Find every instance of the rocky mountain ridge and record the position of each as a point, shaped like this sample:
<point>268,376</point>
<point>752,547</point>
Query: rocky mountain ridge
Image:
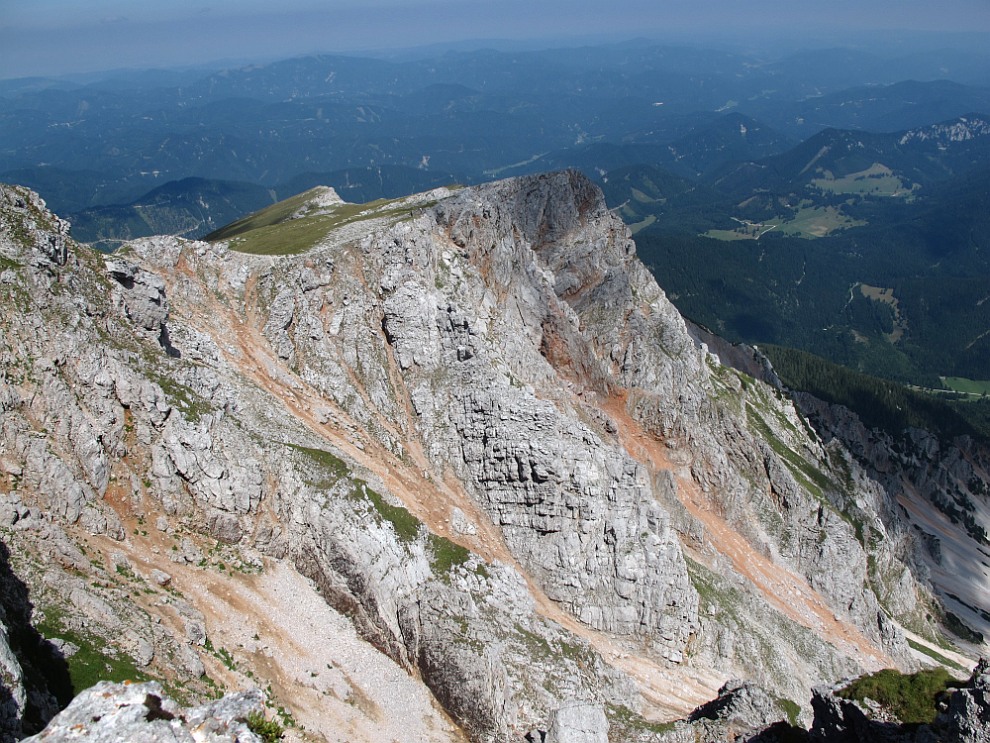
<point>473,421</point>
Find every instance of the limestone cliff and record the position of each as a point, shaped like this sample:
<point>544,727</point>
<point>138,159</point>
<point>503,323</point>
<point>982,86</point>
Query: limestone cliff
<point>473,421</point>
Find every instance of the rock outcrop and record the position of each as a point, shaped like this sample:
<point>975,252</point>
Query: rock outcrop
<point>33,675</point>
<point>473,421</point>
<point>934,495</point>
<point>578,723</point>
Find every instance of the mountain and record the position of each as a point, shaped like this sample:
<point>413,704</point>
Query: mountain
<point>730,138</point>
<point>368,184</point>
<point>447,466</point>
<point>891,286</point>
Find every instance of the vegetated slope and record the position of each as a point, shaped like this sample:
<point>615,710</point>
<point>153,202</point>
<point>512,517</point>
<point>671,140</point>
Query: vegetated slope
<point>930,458</point>
<point>730,138</point>
<point>861,267</point>
<point>916,157</point>
<point>473,420</point>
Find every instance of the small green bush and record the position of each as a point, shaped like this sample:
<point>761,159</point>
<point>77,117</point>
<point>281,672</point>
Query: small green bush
<point>268,730</point>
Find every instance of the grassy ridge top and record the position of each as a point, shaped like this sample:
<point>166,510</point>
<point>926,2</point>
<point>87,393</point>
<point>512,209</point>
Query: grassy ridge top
<point>301,222</point>
<point>271,215</point>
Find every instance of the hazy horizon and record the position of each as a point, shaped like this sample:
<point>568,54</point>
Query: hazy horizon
<point>64,37</point>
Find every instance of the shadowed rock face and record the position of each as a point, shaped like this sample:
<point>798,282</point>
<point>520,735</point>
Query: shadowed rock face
<point>34,680</point>
<point>473,420</point>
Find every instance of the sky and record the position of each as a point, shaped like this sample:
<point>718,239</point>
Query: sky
<point>61,37</point>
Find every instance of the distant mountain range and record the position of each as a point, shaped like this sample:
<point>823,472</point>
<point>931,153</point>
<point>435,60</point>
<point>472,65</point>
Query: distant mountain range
<point>472,116</point>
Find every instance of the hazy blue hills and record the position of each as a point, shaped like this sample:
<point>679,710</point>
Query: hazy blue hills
<point>877,108</point>
<point>832,200</point>
<point>729,138</point>
<point>849,162</point>
<point>474,114</point>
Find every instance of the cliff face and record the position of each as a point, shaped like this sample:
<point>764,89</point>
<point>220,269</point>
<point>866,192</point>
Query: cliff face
<point>477,426</point>
<point>938,490</point>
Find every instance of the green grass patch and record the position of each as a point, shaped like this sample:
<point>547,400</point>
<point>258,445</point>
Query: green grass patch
<point>967,386</point>
<point>190,404</point>
<point>7,263</point>
<point>221,654</point>
<point>713,591</point>
<point>623,718</point>
<point>91,663</point>
<point>330,463</point>
<point>537,644</point>
<point>267,217</point>
<point>643,198</point>
<point>877,180</point>
<point>809,476</point>
<point>268,730</point>
<point>405,524</point>
<point>730,235</point>
<point>807,222</point>
<point>287,228</point>
<point>818,221</point>
<point>911,698</point>
<point>636,227</point>
<point>791,708</point>
<point>446,554</point>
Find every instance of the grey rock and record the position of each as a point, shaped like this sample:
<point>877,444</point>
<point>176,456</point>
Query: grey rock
<point>742,706</point>
<point>461,524</point>
<point>143,296</point>
<point>27,661</point>
<point>44,238</point>
<point>160,577</point>
<point>966,717</point>
<point>66,648</point>
<point>578,722</point>
<point>281,314</point>
<point>15,700</point>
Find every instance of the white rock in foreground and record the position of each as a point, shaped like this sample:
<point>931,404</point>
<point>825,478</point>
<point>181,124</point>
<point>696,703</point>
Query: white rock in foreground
<point>110,713</point>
